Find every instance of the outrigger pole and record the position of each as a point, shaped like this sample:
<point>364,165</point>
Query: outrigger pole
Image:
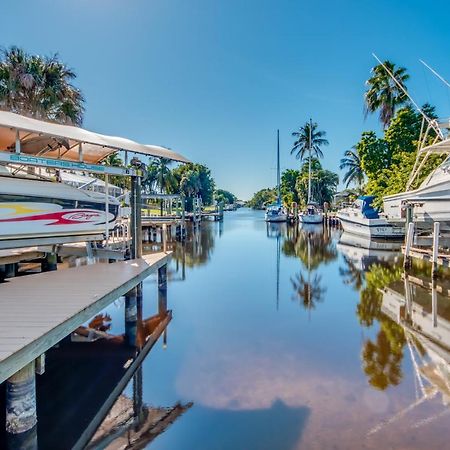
<point>278,167</point>
<point>435,73</point>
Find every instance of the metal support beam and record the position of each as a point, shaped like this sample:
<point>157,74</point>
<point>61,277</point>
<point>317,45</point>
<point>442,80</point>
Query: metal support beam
<point>17,147</point>
<point>136,219</point>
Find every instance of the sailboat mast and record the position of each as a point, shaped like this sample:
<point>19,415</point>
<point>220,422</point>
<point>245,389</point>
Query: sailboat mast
<point>278,166</point>
<point>309,162</point>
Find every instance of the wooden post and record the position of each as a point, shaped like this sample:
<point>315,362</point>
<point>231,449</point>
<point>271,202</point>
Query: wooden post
<point>21,416</point>
<point>49,263</point>
<point>131,316</point>
<point>409,241</point>
<point>434,307</point>
<point>164,237</point>
<point>162,290</point>
<point>434,269</point>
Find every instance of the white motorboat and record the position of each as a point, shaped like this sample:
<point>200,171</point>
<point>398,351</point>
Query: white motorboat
<point>362,219</point>
<point>276,212</point>
<point>312,214</point>
<point>31,208</point>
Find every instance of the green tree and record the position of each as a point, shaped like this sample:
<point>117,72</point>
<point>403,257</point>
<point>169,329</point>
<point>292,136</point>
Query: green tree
<point>352,163</point>
<point>373,153</point>
<point>263,198</point>
<point>289,192</point>
<point>383,93</point>
<point>225,197</point>
<point>193,180</point>
<point>40,87</point>
<point>323,183</point>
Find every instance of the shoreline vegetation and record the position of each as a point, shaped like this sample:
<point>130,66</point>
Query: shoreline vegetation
<point>41,87</point>
<point>379,164</point>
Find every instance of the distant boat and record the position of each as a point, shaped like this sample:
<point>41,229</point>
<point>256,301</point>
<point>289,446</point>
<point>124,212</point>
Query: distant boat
<point>363,219</point>
<point>276,212</point>
<point>31,208</point>
<point>312,214</point>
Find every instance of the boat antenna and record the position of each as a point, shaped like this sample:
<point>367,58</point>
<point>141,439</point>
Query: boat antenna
<point>278,167</point>
<point>432,123</point>
<point>435,73</point>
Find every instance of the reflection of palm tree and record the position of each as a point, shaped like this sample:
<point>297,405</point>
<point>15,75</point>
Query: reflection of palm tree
<point>320,245</point>
<point>308,292</point>
<point>352,276</point>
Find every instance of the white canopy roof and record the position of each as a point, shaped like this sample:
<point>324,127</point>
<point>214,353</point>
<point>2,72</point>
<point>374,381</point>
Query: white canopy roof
<point>438,147</point>
<point>62,141</point>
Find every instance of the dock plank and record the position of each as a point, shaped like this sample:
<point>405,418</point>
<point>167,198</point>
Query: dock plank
<point>39,310</point>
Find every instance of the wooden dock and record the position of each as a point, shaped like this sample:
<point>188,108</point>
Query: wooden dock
<point>37,311</point>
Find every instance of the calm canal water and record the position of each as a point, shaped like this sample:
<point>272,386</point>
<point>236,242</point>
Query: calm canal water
<point>282,338</point>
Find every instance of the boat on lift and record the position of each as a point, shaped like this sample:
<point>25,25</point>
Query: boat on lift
<point>362,219</point>
<point>312,213</point>
<point>276,212</point>
<point>33,208</point>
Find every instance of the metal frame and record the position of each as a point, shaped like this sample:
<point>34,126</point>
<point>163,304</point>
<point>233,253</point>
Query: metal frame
<point>39,161</point>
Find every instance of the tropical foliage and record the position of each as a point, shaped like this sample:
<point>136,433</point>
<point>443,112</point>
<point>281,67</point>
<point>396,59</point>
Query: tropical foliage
<point>383,93</point>
<point>40,87</point>
<point>308,137</point>
<point>225,197</point>
<point>263,198</point>
<point>355,173</point>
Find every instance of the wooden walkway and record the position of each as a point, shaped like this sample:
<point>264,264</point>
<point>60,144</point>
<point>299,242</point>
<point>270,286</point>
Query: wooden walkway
<point>37,311</point>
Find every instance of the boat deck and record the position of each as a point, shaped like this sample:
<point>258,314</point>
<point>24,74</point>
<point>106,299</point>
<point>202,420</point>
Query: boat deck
<point>37,311</point>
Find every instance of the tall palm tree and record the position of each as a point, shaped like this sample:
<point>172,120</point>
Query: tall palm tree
<point>308,137</point>
<point>39,87</point>
<point>352,162</point>
<point>383,93</point>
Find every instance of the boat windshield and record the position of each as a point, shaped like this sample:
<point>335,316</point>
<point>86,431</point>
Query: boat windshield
<point>367,210</point>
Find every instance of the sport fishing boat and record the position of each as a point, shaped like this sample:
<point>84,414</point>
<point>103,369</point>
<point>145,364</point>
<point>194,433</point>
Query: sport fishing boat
<point>430,202</point>
<point>363,219</point>
<point>32,208</point>
<point>312,214</point>
<point>276,212</point>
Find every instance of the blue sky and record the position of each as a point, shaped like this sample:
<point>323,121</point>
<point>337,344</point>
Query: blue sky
<point>214,79</point>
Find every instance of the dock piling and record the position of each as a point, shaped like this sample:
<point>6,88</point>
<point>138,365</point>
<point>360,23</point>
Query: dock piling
<point>409,242</point>
<point>434,269</point>
<point>21,415</point>
<point>162,290</point>
<point>131,316</point>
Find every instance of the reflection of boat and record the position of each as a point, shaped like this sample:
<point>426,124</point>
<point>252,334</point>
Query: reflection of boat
<point>32,208</point>
<point>364,252</point>
<point>362,219</point>
<point>312,213</point>
<point>425,318</point>
<point>276,212</point>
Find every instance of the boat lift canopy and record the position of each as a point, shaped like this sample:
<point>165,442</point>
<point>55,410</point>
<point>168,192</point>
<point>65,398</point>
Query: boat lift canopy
<point>24,140</point>
<point>440,147</point>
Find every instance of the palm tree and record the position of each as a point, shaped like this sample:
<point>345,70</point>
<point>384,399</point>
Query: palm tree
<point>352,162</point>
<point>308,137</point>
<point>383,93</point>
<point>160,178</point>
<point>39,87</point>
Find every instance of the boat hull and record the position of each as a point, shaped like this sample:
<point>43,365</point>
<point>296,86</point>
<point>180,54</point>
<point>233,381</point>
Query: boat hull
<point>35,209</point>
<point>370,228</point>
<point>275,218</point>
<point>310,218</point>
